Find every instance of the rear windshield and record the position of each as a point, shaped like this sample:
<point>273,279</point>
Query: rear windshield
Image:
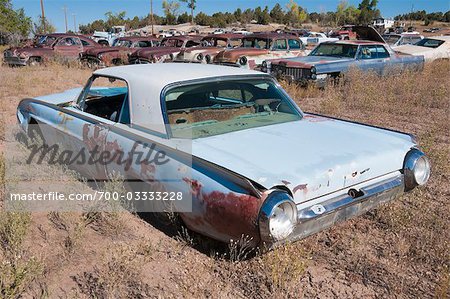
<point>430,43</point>
<point>214,108</point>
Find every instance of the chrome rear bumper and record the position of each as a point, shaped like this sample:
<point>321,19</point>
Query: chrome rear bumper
<point>321,216</point>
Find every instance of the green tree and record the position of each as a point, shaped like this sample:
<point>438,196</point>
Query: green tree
<point>191,5</point>
<point>296,15</point>
<point>170,11</point>
<point>277,14</point>
<point>368,11</point>
<point>43,26</point>
<point>13,21</point>
<point>202,19</point>
<point>115,19</point>
<point>184,18</point>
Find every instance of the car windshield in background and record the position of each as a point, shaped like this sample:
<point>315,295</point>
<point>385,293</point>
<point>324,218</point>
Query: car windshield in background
<point>429,43</point>
<point>335,50</point>
<point>391,39</point>
<point>46,40</point>
<point>259,43</point>
<point>122,43</point>
<point>214,108</point>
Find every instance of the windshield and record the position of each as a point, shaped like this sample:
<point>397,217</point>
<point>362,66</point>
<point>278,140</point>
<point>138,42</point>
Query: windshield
<point>391,39</point>
<point>214,108</point>
<point>46,40</point>
<point>122,43</point>
<point>335,50</point>
<point>259,43</point>
<point>429,43</point>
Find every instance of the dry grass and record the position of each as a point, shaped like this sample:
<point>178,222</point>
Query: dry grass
<point>399,250</point>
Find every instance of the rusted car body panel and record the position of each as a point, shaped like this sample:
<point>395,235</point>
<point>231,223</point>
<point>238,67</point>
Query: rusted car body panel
<point>252,55</point>
<point>118,53</point>
<point>170,48</point>
<point>237,185</point>
<point>214,44</point>
<point>53,46</point>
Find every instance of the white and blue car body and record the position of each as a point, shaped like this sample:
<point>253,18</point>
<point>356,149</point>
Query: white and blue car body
<point>257,165</point>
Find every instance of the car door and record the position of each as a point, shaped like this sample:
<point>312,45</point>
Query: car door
<point>150,164</point>
<point>369,60</point>
<point>68,47</point>
<point>296,48</point>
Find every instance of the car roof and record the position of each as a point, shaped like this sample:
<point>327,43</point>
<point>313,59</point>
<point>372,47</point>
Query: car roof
<point>137,38</point>
<point>445,38</point>
<point>354,42</point>
<point>270,35</point>
<point>171,72</point>
<point>224,35</point>
<point>147,81</point>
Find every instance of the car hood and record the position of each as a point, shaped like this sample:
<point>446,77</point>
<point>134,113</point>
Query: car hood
<point>312,157</point>
<point>309,61</point>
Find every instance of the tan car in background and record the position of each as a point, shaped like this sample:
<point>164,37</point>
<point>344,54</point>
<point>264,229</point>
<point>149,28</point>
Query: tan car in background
<point>256,48</point>
<point>211,45</point>
<point>432,48</point>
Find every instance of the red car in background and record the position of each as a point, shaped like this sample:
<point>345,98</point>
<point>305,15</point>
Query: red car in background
<point>118,53</point>
<point>56,47</point>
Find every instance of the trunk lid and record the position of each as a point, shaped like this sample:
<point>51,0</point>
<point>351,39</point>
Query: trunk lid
<point>312,157</point>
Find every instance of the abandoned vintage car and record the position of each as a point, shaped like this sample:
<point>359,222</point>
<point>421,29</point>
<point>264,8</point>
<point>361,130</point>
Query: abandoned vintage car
<point>330,60</point>
<point>211,45</point>
<point>56,46</point>
<point>170,47</point>
<point>118,53</point>
<point>432,48</point>
<point>259,166</point>
<point>256,48</point>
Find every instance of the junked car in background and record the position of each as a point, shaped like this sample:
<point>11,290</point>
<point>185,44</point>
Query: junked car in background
<point>211,45</point>
<point>250,171</point>
<point>56,46</point>
<point>314,38</point>
<point>432,48</point>
<point>107,38</point>
<point>330,60</point>
<point>395,40</point>
<point>169,48</point>
<point>256,48</point>
<point>118,53</point>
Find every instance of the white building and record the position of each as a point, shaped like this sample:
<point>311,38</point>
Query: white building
<point>384,23</point>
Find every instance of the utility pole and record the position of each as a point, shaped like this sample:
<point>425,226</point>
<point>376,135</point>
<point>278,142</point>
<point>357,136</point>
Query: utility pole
<point>65,17</point>
<point>43,14</point>
<point>151,15</point>
<point>74,23</point>
<point>410,16</point>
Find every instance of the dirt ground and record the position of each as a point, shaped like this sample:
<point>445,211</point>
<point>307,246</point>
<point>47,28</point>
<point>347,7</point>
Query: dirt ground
<point>400,250</point>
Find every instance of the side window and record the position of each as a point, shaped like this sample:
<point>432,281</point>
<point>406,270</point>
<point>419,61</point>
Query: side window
<point>368,52</point>
<point>107,98</point>
<point>294,44</point>
<point>382,52</point>
<point>69,41</point>
<point>280,44</point>
<point>84,43</point>
<point>144,44</point>
<point>191,43</point>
